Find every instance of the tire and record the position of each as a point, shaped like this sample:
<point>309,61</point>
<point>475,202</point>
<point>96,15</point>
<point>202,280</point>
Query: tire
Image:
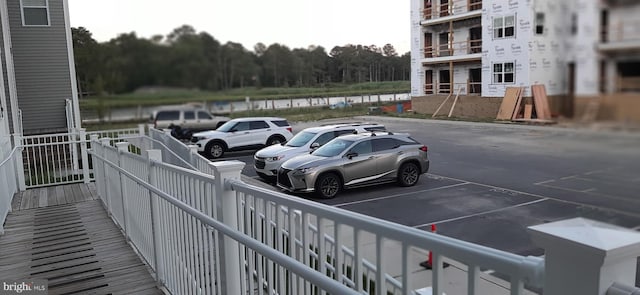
<point>408,174</point>
<point>275,139</point>
<point>328,185</point>
<point>214,149</point>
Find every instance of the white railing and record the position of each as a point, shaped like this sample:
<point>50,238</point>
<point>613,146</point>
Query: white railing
<point>173,218</point>
<point>8,182</point>
<point>61,158</point>
<point>186,153</point>
<point>313,235</point>
<point>218,235</point>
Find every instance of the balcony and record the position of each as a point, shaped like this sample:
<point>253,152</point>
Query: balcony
<point>452,10</point>
<point>455,51</point>
<point>474,88</point>
<point>621,36</point>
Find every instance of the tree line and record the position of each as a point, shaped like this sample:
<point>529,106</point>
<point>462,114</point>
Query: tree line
<point>187,59</point>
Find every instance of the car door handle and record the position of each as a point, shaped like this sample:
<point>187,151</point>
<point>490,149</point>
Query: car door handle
<point>400,152</point>
<point>246,132</point>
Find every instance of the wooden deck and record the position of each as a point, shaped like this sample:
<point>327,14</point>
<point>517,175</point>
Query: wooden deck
<point>64,235</point>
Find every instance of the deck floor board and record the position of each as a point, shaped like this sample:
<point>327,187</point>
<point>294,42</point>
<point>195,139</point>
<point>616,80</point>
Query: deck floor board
<point>64,235</point>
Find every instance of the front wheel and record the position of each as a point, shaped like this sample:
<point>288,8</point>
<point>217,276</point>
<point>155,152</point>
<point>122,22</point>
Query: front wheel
<point>328,185</point>
<point>214,149</point>
<point>408,174</point>
<point>276,139</point>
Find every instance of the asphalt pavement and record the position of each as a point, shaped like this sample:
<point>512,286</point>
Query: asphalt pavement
<point>488,182</point>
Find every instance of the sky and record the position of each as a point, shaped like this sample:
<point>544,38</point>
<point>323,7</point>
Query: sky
<point>294,23</point>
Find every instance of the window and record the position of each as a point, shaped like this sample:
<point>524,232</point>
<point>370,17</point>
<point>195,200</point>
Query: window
<point>35,12</point>
<point>384,144</point>
<point>240,126</point>
<point>189,115</point>
<point>324,138</point>
<point>168,115</point>
<point>539,23</point>
<point>204,115</point>
<point>504,27</point>
<point>280,123</point>
<point>259,125</point>
<point>362,148</point>
<point>503,73</point>
<point>574,24</point>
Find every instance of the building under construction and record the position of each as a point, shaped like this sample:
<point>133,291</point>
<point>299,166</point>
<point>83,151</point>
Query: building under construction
<point>586,53</point>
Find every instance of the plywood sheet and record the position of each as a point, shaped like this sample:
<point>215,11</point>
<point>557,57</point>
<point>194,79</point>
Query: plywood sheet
<point>508,103</point>
<point>540,102</point>
<point>528,108</point>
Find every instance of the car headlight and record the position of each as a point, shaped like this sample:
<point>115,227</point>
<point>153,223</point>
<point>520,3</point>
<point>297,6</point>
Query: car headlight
<point>306,170</point>
<point>273,159</point>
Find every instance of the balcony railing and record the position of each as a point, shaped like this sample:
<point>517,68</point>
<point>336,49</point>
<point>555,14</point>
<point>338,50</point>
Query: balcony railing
<point>624,30</point>
<point>628,84</point>
<point>451,8</point>
<point>454,49</point>
<point>445,88</point>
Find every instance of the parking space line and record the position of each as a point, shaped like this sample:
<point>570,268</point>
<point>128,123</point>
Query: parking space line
<point>482,213</point>
<point>551,198</point>
<point>591,191</point>
<point>400,195</point>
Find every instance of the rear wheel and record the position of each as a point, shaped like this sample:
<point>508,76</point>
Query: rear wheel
<point>275,139</point>
<point>214,149</point>
<point>408,174</point>
<point>328,185</point>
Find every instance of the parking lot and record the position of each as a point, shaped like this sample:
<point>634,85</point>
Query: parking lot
<point>489,182</point>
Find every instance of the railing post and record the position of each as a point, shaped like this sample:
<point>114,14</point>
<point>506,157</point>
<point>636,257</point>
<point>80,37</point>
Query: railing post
<point>158,252</point>
<point>123,148</point>
<point>141,131</point>
<point>83,155</point>
<point>105,141</point>
<point>17,141</point>
<point>230,252</point>
<point>586,257</point>
<point>193,151</point>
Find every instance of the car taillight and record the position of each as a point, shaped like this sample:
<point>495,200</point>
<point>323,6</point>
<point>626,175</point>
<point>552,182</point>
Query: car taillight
<point>290,129</point>
<point>424,148</point>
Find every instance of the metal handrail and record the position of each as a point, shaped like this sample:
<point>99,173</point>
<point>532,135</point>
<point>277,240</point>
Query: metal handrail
<point>309,274</point>
<point>530,268</point>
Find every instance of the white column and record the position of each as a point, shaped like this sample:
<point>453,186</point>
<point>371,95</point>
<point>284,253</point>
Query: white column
<point>586,257</point>
<point>231,265</point>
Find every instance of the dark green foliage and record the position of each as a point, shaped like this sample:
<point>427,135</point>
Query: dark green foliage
<point>186,59</point>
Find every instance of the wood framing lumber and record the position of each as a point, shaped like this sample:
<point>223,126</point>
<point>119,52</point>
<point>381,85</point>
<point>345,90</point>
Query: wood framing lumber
<point>441,105</point>
<point>517,109</point>
<point>454,102</point>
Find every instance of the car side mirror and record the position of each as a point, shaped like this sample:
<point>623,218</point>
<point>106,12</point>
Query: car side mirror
<point>351,155</point>
<point>315,145</point>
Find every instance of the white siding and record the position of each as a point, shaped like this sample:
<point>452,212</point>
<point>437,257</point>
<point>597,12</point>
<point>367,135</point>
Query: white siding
<point>511,49</point>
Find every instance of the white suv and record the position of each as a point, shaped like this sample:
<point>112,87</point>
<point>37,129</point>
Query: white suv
<point>242,134</point>
<point>267,161</point>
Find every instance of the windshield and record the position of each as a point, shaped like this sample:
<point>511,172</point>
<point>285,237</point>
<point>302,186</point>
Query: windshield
<point>226,126</point>
<point>300,139</point>
<point>333,148</point>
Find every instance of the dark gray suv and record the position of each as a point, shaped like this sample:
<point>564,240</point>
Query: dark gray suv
<point>355,160</point>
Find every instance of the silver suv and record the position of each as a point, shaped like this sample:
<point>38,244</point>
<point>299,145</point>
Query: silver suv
<point>267,161</point>
<point>250,133</point>
<point>355,160</point>
<point>184,121</point>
